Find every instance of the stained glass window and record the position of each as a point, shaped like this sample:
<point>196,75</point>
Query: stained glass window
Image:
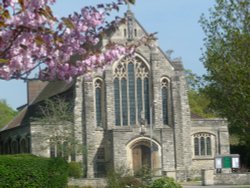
<point>131,80</point>
<point>131,92</point>
<point>139,98</point>
<point>124,102</point>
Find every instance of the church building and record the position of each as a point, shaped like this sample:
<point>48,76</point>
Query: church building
<point>134,114</point>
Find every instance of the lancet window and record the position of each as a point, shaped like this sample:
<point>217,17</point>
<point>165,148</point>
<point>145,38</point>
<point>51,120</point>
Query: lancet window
<point>165,100</point>
<point>99,100</point>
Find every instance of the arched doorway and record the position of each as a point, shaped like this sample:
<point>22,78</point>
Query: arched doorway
<point>141,157</point>
<point>144,152</point>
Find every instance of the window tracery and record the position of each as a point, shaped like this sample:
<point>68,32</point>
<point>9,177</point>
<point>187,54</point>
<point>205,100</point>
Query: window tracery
<point>131,92</point>
<point>202,144</point>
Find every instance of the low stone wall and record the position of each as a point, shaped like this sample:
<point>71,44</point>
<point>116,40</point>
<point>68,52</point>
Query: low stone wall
<point>88,182</point>
<point>209,177</point>
<point>232,179</point>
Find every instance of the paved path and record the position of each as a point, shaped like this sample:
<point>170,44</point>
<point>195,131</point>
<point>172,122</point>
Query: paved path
<point>216,186</point>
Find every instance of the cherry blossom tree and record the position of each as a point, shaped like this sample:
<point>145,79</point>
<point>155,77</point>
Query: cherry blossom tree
<point>32,38</point>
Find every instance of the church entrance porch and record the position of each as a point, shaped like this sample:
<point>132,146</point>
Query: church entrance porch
<point>143,152</point>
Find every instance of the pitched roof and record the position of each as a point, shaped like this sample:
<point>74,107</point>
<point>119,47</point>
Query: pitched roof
<point>17,121</point>
<point>51,89</point>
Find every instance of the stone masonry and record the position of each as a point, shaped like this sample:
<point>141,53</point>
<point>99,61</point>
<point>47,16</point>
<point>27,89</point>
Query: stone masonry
<point>179,148</point>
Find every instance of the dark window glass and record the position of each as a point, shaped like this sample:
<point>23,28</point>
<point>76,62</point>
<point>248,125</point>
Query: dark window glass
<point>100,154</point>
<point>196,146</point>
<point>202,145</point>
<point>124,102</point>
<point>100,169</point>
<point>98,102</point>
<point>131,82</point>
<point>117,102</point>
<point>146,100</point>
<point>165,105</point>
<point>208,142</point>
<point>139,99</point>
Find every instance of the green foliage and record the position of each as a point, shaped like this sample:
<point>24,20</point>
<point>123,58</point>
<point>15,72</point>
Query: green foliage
<point>58,172</point>
<point>6,113</point>
<point>121,178</point>
<point>20,171</point>
<point>131,1</point>
<point>145,174</point>
<point>227,60</point>
<point>165,182</point>
<point>75,169</point>
<point>54,110</point>
<point>199,104</point>
<point>198,101</point>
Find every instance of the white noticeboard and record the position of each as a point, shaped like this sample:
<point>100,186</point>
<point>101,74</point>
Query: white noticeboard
<point>218,163</point>
<point>235,162</point>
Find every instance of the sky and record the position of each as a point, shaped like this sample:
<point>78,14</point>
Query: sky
<point>176,22</point>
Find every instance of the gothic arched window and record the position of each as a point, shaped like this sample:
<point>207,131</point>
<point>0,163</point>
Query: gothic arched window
<point>23,146</point>
<point>131,92</point>
<point>165,100</point>
<point>99,102</point>
<point>202,144</point>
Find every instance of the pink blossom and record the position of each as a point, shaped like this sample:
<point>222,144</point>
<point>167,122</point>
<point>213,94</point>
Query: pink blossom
<point>31,39</point>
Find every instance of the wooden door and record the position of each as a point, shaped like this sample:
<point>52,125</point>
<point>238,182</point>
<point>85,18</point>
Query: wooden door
<point>141,157</point>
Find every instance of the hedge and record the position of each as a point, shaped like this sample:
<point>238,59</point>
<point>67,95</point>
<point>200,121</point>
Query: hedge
<point>20,171</point>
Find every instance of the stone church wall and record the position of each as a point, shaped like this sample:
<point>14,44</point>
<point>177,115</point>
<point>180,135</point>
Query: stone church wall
<point>218,130</point>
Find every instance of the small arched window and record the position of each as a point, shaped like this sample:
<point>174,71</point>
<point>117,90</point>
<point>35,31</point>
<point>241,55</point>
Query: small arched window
<point>208,147</point>
<point>23,146</point>
<point>99,100</point>
<point>165,100</point>
<point>202,144</point>
<point>196,146</point>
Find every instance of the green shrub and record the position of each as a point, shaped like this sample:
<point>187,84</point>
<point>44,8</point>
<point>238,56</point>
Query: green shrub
<point>75,169</point>
<point>145,174</point>
<point>165,182</point>
<point>21,171</point>
<point>58,173</point>
<point>121,178</point>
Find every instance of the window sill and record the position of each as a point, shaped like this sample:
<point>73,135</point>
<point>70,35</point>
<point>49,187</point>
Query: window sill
<point>203,158</point>
<point>99,129</point>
